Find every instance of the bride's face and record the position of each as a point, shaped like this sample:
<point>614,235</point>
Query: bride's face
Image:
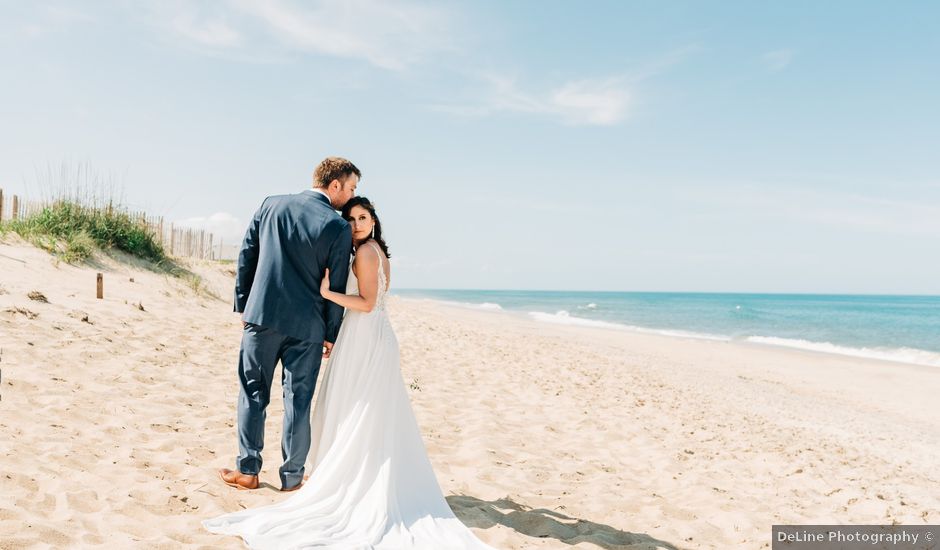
<point>360,220</point>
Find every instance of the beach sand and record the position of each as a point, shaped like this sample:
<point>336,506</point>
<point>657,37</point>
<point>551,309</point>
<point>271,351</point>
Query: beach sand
<point>115,415</point>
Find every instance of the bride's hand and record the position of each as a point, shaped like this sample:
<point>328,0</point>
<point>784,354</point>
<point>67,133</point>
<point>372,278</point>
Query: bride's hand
<point>325,284</point>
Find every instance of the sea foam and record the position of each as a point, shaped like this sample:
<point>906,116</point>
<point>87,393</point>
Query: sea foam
<point>898,355</point>
<point>487,306</point>
<point>564,318</point>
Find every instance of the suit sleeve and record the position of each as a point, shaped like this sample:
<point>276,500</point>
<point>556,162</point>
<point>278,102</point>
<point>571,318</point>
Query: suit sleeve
<point>339,271</point>
<point>247,262</point>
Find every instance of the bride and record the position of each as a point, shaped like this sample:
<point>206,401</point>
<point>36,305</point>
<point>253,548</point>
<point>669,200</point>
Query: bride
<point>372,485</point>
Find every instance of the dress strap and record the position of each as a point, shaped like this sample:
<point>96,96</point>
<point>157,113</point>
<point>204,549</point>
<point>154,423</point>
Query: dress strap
<point>383,280</point>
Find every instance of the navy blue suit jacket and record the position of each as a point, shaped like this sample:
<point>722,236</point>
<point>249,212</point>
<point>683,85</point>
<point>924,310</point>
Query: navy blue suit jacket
<point>291,240</point>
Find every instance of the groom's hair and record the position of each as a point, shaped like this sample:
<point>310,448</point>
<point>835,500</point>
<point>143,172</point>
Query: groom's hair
<point>334,168</point>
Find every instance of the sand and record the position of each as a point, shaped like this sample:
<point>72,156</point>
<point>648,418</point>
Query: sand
<point>116,413</point>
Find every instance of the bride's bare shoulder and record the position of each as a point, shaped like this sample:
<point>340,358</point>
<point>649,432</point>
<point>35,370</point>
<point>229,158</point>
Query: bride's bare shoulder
<point>366,254</point>
<point>377,255</point>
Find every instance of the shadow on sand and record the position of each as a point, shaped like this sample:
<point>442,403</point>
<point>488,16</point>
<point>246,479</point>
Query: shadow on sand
<point>542,523</point>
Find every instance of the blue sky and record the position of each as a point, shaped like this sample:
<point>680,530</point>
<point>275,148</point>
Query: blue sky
<point>700,146</point>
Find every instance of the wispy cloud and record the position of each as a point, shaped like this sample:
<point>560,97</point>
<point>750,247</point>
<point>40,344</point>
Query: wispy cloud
<point>581,102</point>
<point>390,34</point>
<point>777,60</point>
<point>212,33</point>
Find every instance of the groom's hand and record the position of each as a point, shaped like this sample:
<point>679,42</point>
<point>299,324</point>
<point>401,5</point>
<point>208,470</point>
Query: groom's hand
<point>327,348</point>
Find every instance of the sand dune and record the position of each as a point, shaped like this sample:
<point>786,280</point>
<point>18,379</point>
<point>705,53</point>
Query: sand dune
<point>115,414</point>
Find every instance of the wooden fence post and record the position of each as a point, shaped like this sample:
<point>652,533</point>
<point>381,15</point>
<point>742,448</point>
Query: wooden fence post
<point>1,204</point>
<point>16,206</point>
<point>100,286</point>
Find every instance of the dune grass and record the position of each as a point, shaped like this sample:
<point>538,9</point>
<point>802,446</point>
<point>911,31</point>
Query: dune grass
<point>82,212</point>
<point>73,231</point>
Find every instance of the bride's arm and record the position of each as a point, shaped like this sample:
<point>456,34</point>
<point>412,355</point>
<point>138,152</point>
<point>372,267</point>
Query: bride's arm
<point>366,266</point>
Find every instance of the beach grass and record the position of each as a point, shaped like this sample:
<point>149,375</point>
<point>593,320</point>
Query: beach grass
<point>82,211</point>
<point>73,231</point>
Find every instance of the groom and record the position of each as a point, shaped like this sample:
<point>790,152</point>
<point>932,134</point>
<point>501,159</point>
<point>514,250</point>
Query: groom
<point>290,242</point>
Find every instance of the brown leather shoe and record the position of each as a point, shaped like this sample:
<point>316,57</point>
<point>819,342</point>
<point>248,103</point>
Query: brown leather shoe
<point>238,480</point>
<point>295,487</point>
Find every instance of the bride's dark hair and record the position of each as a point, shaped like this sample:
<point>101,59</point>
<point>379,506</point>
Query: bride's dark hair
<point>365,203</point>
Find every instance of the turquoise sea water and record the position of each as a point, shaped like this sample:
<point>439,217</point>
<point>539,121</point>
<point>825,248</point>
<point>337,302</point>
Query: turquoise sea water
<point>896,328</point>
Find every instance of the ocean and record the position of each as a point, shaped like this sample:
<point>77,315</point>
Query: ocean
<point>903,329</point>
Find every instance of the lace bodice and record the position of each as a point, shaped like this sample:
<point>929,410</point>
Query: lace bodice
<point>352,283</point>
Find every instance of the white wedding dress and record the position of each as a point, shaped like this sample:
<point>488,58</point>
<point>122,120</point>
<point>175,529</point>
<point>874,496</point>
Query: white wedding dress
<point>371,484</point>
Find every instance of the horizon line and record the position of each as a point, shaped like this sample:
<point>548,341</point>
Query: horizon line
<point>871,294</point>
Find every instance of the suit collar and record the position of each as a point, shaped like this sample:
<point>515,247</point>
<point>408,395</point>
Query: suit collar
<point>320,195</point>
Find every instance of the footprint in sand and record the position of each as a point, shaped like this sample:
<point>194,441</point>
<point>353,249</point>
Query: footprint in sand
<point>28,485</point>
<point>90,540</point>
<point>163,428</point>
<point>84,501</point>
<point>201,453</point>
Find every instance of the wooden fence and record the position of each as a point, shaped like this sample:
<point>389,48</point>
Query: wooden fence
<point>177,241</point>
<point>13,207</point>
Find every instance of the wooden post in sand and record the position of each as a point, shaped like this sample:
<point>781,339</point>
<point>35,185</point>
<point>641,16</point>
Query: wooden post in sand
<point>16,206</point>
<point>1,204</point>
<point>100,286</point>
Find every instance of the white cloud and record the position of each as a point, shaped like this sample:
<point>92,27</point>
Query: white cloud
<point>214,33</point>
<point>595,102</point>
<point>587,102</point>
<point>221,224</point>
<point>777,60</point>
<point>582,102</point>
<point>391,34</point>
